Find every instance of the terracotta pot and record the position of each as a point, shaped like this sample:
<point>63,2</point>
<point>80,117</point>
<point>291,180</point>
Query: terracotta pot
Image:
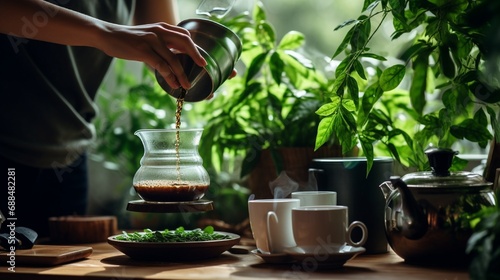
<point>296,163</point>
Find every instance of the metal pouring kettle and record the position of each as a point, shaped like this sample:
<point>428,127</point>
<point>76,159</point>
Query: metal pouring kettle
<point>427,213</point>
<point>220,47</point>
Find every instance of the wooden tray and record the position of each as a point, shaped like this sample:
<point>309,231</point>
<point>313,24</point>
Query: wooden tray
<point>47,255</point>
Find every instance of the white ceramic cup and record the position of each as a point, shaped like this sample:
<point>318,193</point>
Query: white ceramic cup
<point>271,223</point>
<point>325,228</point>
<point>314,198</point>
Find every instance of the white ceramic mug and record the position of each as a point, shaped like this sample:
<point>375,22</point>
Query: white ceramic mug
<point>325,228</point>
<point>314,198</point>
<point>271,223</point>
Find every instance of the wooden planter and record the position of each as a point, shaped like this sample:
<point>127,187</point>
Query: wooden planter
<point>296,163</point>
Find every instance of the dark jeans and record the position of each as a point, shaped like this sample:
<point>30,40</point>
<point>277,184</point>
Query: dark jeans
<point>43,193</point>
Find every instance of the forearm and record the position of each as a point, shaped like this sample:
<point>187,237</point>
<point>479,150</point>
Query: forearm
<point>149,11</point>
<point>40,20</point>
<point>150,43</point>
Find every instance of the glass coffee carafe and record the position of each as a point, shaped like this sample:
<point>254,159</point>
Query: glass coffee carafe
<point>171,168</point>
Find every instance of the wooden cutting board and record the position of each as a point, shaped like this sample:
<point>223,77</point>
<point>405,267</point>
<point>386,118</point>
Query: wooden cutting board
<point>47,255</point>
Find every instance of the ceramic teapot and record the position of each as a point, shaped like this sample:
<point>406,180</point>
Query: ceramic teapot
<point>427,213</point>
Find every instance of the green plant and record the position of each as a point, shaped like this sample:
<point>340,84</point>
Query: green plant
<point>450,95</point>
<point>484,244</point>
<point>177,235</point>
<point>132,102</point>
<point>271,104</point>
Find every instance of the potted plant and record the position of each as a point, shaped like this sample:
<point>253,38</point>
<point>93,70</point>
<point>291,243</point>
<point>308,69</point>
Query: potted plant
<point>268,109</point>
<point>448,96</point>
<point>443,90</point>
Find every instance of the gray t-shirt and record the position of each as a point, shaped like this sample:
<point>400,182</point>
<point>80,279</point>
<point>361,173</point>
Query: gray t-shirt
<point>47,90</point>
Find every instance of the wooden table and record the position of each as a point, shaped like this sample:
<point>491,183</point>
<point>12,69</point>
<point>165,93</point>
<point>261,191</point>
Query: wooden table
<point>108,263</point>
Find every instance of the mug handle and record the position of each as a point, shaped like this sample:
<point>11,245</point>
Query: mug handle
<point>271,215</point>
<point>364,237</point>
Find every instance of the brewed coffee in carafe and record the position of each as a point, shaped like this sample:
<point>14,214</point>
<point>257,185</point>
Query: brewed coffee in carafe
<point>171,167</point>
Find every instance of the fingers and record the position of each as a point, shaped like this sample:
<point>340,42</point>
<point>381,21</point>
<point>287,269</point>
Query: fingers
<point>168,76</point>
<point>181,42</point>
<point>233,74</point>
<point>154,44</point>
<point>178,39</point>
<point>170,68</point>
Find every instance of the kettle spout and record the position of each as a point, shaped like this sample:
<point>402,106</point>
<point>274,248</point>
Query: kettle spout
<point>414,219</point>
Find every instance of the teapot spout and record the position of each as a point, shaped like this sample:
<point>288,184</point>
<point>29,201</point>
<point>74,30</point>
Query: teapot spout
<point>386,188</point>
<point>414,219</point>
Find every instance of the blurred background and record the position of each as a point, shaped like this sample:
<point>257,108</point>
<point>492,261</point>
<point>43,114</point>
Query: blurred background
<point>130,99</point>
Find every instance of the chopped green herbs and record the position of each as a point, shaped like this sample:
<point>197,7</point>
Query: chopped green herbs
<point>178,235</point>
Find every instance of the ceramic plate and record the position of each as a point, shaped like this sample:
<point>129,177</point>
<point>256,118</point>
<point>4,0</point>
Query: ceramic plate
<point>175,251</point>
<point>325,258</point>
<point>273,258</point>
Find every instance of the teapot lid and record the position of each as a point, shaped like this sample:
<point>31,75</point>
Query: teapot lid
<point>440,161</point>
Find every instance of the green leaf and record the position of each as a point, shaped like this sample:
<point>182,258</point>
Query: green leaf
<point>292,40</point>
<point>349,105</point>
<point>276,66</point>
<point>255,66</point>
<point>352,88</point>
<point>348,119</point>
<point>471,130</point>
<point>371,95</point>
<point>394,151</point>
<point>339,84</point>
<point>392,77</point>
<point>446,63</point>
<point>398,6</point>
<point>343,65</point>
<point>450,100</point>
<point>414,50</point>
<point>344,24</point>
<point>343,45</point>
<point>480,117</point>
<point>329,109</point>
<point>300,58</point>
<point>419,83</point>
<point>495,124</point>
<point>259,13</point>
<point>325,131</point>
<point>343,124</point>
<point>359,69</point>
<point>266,35</point>
<point>209,229</point>
<point>400,26</point>
<point>374,56</point>
<point>369,5</point>
<point>367,146</point>
<point>360,34</point>
<point>251,89</point>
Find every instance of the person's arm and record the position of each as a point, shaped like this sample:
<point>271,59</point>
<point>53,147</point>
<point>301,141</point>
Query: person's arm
<point>149,11</point>
<point>149,43</point>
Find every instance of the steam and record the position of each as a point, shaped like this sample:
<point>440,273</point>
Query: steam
<point>283,186</point>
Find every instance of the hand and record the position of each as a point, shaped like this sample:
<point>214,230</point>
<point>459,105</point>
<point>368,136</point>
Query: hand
<point>154,44</point>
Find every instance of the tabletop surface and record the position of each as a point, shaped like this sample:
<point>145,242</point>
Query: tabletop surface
<point>106,262</point>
